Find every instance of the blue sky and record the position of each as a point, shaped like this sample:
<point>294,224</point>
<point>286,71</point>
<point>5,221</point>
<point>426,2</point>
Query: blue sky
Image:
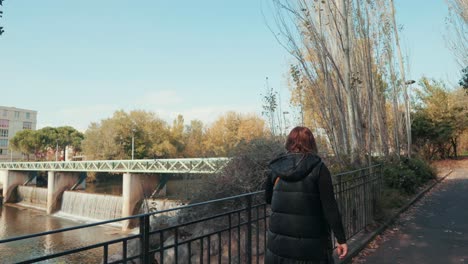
<point>76,62</point>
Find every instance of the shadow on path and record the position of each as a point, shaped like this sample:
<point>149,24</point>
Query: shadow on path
<point>434,230</point>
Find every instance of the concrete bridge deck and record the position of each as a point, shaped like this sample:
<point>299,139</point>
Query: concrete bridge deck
<point>434,231</point>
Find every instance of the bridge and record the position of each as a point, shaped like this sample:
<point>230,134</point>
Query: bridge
<point>140,177</point>
<point>195,165</point>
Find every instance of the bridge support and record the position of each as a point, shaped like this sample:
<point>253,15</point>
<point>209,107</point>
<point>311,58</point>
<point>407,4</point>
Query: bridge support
<point>57,183</point>
<point>136,187</point>
<point>11,180</point>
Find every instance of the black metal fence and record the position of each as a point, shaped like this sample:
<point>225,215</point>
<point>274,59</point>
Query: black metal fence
<point>228,230</point>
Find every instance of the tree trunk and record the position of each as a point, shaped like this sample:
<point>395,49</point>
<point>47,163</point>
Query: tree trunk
<point>347,83</point>
<point>403,83</point>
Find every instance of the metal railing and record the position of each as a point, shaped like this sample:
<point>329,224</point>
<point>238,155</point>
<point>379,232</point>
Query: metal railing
<point>227,230</point>
<point>195,165</point>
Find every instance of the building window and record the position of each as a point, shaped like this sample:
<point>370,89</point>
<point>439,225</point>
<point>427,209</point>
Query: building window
<point>28,115</point>
<point>27,125</point>
<point>3,151</point>
<point>3,132</point>
<point>17,114</point>
<point>4,123</point>
<point>5,112</point>
<point>3,142</point>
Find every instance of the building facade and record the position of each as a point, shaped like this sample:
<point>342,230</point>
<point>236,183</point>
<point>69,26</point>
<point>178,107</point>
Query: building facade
<point>13,120</point>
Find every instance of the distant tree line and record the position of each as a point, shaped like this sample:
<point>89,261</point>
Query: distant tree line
<point>111,138</point>
<point>43,144</point>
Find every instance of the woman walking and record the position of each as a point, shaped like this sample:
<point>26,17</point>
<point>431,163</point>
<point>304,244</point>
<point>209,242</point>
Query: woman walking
<point>300,191</point>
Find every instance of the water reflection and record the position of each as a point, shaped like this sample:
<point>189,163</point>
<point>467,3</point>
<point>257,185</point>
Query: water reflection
<point>16,221</point>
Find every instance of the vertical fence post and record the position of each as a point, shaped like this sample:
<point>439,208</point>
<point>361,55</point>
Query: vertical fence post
<point>248,242</point>
<point>144,239</point>
<point>366,196</point>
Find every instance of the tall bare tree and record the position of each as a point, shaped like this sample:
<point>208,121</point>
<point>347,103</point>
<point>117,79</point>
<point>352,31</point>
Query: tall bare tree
<point>344,51</point>
<point>402,82</point>
<point>457,28</point>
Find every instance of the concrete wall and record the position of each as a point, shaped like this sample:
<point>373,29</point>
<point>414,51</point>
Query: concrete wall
<point>136,187</point>
<point>57,183</point>
<point>10,180</point>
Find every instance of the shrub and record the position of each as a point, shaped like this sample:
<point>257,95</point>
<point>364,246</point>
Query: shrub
<point>407,174</point>
<point>421,168</point>
<point>401,178</point>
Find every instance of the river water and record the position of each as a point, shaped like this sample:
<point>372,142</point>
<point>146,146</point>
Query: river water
<point>16,221</point>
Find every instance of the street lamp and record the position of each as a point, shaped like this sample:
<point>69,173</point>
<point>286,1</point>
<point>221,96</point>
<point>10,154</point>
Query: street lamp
<point>56,150</point>
<point>408,117</point>
<point>285,123</point>
<point>133,142</point>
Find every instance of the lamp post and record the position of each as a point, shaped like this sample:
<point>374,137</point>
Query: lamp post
<point>408,117</point>
<point>286,127</point>
<point>56,150</point>
<point>133,142</point>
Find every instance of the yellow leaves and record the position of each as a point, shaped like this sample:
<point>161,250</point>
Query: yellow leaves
<point>230,129</point>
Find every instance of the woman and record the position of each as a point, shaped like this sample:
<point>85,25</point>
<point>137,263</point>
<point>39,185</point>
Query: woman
<point>300,191</point>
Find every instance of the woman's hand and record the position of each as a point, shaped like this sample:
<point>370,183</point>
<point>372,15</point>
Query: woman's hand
<point>341,250</point>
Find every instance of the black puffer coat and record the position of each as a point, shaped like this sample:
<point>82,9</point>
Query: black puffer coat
<point>303,207</point>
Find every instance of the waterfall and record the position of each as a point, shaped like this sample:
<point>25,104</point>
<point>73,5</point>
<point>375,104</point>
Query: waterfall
<point>89,206</point>
<point>32,196</point>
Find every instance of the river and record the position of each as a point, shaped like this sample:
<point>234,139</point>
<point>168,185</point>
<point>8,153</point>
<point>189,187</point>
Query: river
<point>16,221</point>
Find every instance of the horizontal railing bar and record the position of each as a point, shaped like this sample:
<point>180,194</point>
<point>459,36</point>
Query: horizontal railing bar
<point>71,251</point>
<point>354,171</point>
<point>207,202</point>
<point>196,221</point>
<point>209,234</point>
<point>124,261</point>
<point>63,230</point>
<point>125,218</point>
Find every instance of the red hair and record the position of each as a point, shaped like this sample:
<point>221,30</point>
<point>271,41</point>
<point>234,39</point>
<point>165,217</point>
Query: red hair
<point>301,140</point>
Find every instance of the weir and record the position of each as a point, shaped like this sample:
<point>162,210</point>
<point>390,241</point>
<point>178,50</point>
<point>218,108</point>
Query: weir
<point>89,206</point>
<point>32,196</point>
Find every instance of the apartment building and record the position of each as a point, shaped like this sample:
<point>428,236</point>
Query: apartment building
<point>13,120</point>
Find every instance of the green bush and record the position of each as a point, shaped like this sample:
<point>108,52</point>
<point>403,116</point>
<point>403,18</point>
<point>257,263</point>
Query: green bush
<point>406,175</point>
<point>423,170</point>
<point>401,178</point>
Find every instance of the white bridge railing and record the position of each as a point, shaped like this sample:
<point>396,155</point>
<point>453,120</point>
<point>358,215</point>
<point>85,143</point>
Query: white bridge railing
<point>196,165</point>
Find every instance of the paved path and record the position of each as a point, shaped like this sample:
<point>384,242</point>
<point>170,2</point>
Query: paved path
<point>435,230</point>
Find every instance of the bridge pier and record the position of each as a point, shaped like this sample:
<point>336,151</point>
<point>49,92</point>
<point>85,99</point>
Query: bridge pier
<point>11,179</point>
<point>136,187</point>
<point>57,183</point>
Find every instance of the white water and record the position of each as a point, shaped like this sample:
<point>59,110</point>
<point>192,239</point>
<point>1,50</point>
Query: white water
<point>90,207</point>
<point>31,196</point>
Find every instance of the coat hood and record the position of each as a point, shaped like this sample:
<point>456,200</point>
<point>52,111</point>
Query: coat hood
<point>294,166</point>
